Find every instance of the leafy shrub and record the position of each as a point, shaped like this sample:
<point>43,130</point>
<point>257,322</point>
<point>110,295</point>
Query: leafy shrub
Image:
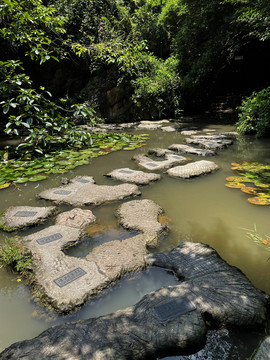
<point>157,91</point>
<point>13,254</point>
<point>254,116</point>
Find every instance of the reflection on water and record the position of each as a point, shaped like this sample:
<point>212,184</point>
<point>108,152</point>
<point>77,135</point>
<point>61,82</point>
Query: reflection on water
<point>200,210</point>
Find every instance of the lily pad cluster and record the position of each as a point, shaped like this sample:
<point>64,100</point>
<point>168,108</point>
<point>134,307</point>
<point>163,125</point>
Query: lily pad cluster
<point>253,179</point>
<point>20,171</point>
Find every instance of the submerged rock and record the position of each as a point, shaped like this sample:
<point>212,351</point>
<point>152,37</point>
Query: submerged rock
<point>191,150</point>
<point>196,168</point>
<point>149,164</point>
<point>84,191</point>
<point>169,320</point>
<point>20,217</point>
<point>133,176</point>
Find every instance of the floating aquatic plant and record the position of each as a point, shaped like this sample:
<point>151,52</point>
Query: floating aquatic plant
<point>263,241</point>
<point>23,170</point>
<point>255,173</point>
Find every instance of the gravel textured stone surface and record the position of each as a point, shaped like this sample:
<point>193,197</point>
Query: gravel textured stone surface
<point>77,218</point>
<point>84,191</point>
<point>133,176</point>
<point>149,164</point>
<point>142,216</point>
<point>20,217</point>
<point>212,142</point>
<point>169,320</point>
<point>191,150</point>
<point>193,169</point>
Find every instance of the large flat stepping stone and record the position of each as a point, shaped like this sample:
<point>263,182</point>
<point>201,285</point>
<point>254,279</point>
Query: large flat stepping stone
<point>196,168</point>
<point>149,164</point>
<point>169,319</point>
<point>157,324</point>
<point>213,142</point>
<point>133,176</point>
<point>263,352</point>
<point>191,150</point>
<point>76,218</point>
<point>67,281</point>
<point>83,191</point>
<point>160,152</point>
<point>213,286</point>
<point>142,216</point>
<point>20,217</point>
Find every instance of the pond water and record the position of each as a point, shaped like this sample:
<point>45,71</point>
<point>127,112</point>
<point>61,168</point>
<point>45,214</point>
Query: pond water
<point>200,210</point>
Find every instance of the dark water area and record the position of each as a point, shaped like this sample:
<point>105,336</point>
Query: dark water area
<point>200,210</point>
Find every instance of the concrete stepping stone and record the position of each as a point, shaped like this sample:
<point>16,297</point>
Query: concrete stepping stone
<point>159,152</point>
<point>171,319</point>
<point>189,132</point>
<point>213,142</point>
<point>191,150</point>
<point>152,126</point>
<point>133,176</point>
<point>67,281</point>
<point>170,128</point>
<point>263,352</point>
<point>149,164</point>
<point>142,216</point>
<point>84,191</point>
<point>196,168</point>
<point>20,217</point>
<point>76,218</point>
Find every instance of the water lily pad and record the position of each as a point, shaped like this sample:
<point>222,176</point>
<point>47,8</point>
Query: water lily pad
<point>235,185</point>
<point>38,178</point>
<point>3,186</point>
<point>249,190</point>
<point>259,201</point>
<point>22,180</point>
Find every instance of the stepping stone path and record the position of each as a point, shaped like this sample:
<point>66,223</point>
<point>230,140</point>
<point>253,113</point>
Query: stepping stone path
<point>133,176</point>
<point>196,168</point>
<point>20,217</point>
<point>189,132</point>
<point>149,164</point>
<point>212,142</point>
<point>68,281</point>
<point>84,191</point>
<point>191,150</point>
<point>169,319</point>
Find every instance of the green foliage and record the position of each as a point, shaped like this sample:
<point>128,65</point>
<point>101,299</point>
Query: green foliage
<point>14,171</point>
<point>157,90</point>
<point>254,116</point>
<point>31,24</point>
<point>14,255</point>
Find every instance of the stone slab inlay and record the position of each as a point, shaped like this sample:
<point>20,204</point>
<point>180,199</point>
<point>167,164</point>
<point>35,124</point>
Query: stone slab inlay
<point>83,181</point>
<point>25,213</point>
<point>174,308</point>
<point>125,171</point>
<point>48,239</point>
<point>152,164</point>
<point>70,277</point>
<point>62,192</point>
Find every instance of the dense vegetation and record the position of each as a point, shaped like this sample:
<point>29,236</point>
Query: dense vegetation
<point>164,56</point>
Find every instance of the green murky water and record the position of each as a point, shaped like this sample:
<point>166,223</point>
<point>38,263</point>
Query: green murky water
<point>201,210</point>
